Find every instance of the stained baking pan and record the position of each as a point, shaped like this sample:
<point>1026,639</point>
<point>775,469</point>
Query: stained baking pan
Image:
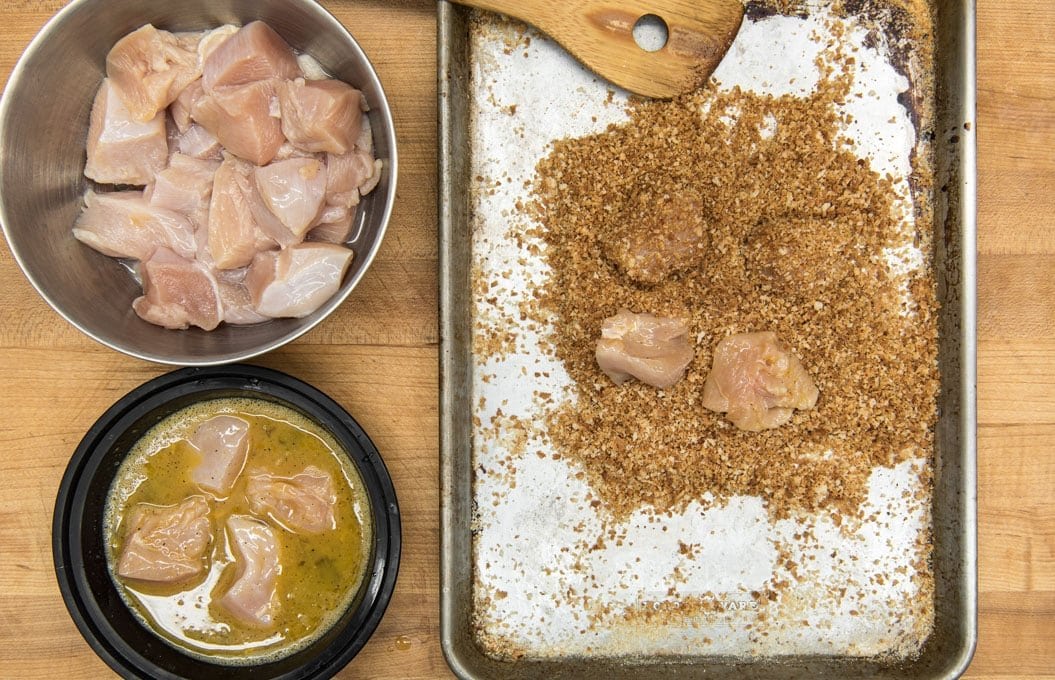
<point>475,164</point>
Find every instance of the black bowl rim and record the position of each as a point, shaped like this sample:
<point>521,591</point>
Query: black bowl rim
<point>66,547</point>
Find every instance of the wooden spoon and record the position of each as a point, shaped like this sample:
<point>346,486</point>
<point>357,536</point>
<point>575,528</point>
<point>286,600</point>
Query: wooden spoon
<point>599,33</point>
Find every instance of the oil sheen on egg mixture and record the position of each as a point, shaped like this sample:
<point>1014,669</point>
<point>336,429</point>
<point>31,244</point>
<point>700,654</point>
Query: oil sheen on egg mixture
<point>319,573</point>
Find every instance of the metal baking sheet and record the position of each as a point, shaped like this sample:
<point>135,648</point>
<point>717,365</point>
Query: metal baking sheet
<point>716,647</point>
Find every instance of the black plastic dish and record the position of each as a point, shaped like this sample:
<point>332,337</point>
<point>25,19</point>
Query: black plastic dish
<point>104,620</point>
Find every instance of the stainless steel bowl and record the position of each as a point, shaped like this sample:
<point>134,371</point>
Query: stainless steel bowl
<point>43,127</point>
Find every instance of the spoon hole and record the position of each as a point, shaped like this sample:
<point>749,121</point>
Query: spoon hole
<point>650,33</point>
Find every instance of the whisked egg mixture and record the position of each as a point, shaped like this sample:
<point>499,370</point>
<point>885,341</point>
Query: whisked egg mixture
<point>319,575</point>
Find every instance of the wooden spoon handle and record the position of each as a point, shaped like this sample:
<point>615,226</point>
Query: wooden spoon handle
<point>599,33</point>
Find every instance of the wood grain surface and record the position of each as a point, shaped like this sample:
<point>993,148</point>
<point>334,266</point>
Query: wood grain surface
<point>378,357</point>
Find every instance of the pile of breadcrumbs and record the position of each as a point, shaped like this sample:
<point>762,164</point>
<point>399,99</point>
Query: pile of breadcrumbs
<point>797,226</point>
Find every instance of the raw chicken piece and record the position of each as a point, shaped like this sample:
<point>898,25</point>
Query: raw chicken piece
<point>234,235</point>
<point>255,52</point>
<point>301,503</point>
<point>185,186</point>
<point>335,213</point>
<point>334,225</point>
<point>202,254</point>
<point>166,544</point>
<point>223,443</point>
<point>268,230</point>
<point>178,293</point>
<point>321,115</point>
<point>311,68</point>
<point>149,68</point>
<point>293,191</point>
<point>184,103</point>
<point>757,382</point>
<point>298,280</point>
<point>237,305</point>
<point>211,40</point>
<point>365,141</point>
<point>172,136</point>
<point>655,350</point>
<point>123,224</point>
<point>348,176</point>
<point>345,174</point>
<point>253,597</point>
<point>199,143</point>
<point>287,151</point>
<point>234,297</point>
<point>120,149</point>
<point>373,180</point>
<point>269,223</point>
<point>242,119</point>
<point>657,236</point>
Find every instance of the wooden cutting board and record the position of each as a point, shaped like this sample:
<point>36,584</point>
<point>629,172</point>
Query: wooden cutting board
<point>378,355</point>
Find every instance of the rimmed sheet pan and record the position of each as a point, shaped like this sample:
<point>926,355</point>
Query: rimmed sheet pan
<point>947,650</point>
